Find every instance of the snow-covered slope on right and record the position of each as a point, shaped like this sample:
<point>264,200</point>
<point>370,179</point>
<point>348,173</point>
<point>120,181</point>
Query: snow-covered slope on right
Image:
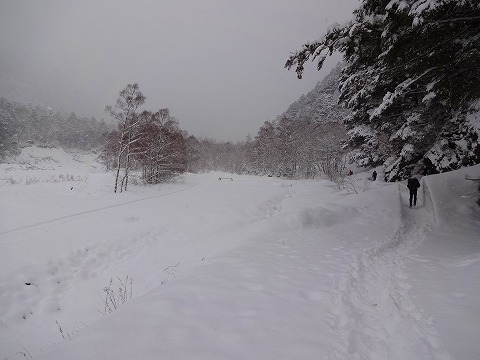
<point>444,273</point>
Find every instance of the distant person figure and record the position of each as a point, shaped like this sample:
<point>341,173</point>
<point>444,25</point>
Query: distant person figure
<point>350,173</point>
<point>413,184</point>
<point>374,175</point>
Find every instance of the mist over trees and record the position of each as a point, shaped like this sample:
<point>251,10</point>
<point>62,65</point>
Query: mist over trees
<point>27,124</point>
<point>407,97</point>
<point>304,142</point>
<point>8,133</point>
<point>295,149</point>
<point>411,81</point>
<point>308,138</point>
<point>211,155</point>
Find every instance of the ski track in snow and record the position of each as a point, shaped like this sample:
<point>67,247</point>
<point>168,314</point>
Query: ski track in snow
<point>93,211</point>
<point>371,309</point>
<point>40,288</point>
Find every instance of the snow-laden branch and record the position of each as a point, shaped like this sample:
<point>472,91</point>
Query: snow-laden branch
<point>389,98</point>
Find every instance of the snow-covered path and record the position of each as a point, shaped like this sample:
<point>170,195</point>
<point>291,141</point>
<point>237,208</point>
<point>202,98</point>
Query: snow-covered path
<point>372,309</point>
<point>444,271</point>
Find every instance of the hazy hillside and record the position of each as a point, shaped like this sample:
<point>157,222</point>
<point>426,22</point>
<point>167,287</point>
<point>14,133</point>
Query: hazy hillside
<point>22,125</point>
<point>321,103</point>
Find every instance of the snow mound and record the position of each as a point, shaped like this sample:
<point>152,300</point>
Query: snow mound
<point>53,156</point>
<point>453,195</point>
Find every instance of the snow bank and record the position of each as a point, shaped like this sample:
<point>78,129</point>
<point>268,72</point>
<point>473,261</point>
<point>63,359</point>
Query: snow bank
<point>445,269</point>
<point>453,194</point>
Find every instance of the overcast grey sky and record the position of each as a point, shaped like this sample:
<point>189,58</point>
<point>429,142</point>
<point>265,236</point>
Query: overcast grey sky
<point>216,64</point>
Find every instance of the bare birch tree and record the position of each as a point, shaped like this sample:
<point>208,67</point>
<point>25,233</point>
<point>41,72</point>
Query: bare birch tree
<point>125,112</point>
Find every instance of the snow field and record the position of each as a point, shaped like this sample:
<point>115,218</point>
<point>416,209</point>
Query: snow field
<point>251,268</point>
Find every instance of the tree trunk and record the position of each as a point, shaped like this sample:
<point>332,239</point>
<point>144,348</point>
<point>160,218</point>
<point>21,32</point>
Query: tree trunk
<point>118,172</point>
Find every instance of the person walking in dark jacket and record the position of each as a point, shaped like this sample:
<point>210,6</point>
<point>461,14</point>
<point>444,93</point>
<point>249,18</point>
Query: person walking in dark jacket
<point>413,184</point>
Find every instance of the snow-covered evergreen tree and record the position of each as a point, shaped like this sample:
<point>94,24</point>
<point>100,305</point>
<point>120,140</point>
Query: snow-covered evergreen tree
<point>411,81</point>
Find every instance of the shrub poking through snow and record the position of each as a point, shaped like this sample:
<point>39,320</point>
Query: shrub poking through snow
<point>66,335</point>
<point>31,181</point>
<point>113,299</point>
<point>11,181</point>
<point>346,185</point>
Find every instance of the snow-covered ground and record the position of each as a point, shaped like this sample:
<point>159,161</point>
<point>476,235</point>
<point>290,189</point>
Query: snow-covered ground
<point>254,268</point>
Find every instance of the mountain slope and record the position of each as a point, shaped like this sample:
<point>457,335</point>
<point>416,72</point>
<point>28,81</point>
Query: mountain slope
<point>321,103</point>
